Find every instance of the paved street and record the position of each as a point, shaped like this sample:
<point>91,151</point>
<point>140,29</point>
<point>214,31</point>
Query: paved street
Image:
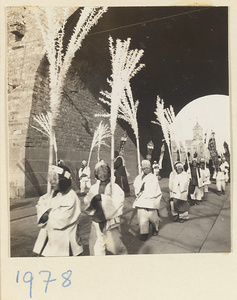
<point>207,231</point>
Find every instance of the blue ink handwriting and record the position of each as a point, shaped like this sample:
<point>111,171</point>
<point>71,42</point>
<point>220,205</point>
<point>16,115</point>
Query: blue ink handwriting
<point>28,278</point>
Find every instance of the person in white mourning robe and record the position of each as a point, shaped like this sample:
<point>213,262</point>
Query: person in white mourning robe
<point>178,186</point>
<point>206,178</point>
<point>57,215</point>
<point>147,202</point>
<point>220,177</point>
<point>196,183</point>
<point>227,167</point>
<point>155,169</point>
<point>105,208</point>
<point>84,174</point>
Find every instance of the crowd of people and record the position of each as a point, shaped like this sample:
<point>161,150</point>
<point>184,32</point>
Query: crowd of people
<point>58,212</point>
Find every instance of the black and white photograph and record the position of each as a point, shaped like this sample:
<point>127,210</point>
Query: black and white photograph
<point>139,94</point>
<point>118,133</point>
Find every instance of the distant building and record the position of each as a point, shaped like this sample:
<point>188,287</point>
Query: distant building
<point>195,147</point>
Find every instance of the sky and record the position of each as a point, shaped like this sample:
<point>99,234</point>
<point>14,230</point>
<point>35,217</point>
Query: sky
<point>212,114</point>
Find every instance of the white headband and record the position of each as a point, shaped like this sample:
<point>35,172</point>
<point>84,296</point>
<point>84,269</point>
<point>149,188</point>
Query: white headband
<point>100,164</point>
<point>178,165</point>
<point>60,170</point>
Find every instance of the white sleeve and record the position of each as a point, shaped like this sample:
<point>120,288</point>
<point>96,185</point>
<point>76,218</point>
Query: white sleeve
<point>137,184</point>
<point>43,205</point>
<point>66,213</point>
<point>152,187</point>
<point>184,183</point>
<point>113,206</point>
<point>87,171</point>
<point>171,181</point>
<point>92,192</point>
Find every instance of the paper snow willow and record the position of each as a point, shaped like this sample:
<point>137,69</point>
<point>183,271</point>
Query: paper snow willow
<point>124,67</point>
<point>102,132</point>
<point>44,122</point>
<point>163,122</point>
<point>166,119</point>
<point>175,133</point>
<point>60,60</point>
<point>128,112</point>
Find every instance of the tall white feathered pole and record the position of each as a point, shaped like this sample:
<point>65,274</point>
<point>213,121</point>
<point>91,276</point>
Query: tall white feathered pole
<point>124,67</point>
<point>163,122</point>
<point>60,61</point>
<point>44,122</point>
<point>170,117</point>
<point>101,133</point>
<point>128,111</point>
<point>175,132</point>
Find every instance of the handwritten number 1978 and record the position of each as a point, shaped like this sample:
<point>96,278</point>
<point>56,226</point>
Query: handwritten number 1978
<point>28,278</point>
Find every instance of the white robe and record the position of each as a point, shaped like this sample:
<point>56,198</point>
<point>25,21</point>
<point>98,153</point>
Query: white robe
<point>178,185</point>
<point>86,171</point>
<point>206,172</point>
<point>221,172</point>
<point>226,165</point>
<point>112,207</point>
<point>151,196</point>
<point>60,229</point>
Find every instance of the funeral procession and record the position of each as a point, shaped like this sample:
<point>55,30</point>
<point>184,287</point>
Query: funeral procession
<point>118,130</point>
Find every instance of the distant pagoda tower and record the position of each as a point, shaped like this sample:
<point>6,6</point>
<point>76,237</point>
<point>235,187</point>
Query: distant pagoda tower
<point>197,132</point>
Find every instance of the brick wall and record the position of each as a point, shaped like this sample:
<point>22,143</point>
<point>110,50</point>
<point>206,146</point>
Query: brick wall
<point>23,56</point>
<point>28,95</point>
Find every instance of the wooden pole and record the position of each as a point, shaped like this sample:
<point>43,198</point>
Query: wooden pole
<point>98,153</point>
<point>89,157</point>
<point>138,156</point>
<point>51,151</point>
<point>56,157</point>
<point>112,162</point>
<point>171,161</point>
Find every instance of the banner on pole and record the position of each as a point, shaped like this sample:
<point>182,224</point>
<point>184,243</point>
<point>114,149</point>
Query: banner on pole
<point>212,149</point>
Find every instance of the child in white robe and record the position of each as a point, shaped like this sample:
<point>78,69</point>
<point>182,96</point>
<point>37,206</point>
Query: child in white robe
<point>147,202</point>
<point>227,167</point>
<point>206,178</point>
<point>84,174</point>
<point>178,186</point>
<point>220,178</point>
<point>105,210</point>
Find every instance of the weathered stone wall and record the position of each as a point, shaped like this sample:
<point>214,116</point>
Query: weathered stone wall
<point>28,95</point>
<point>23,56</point>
